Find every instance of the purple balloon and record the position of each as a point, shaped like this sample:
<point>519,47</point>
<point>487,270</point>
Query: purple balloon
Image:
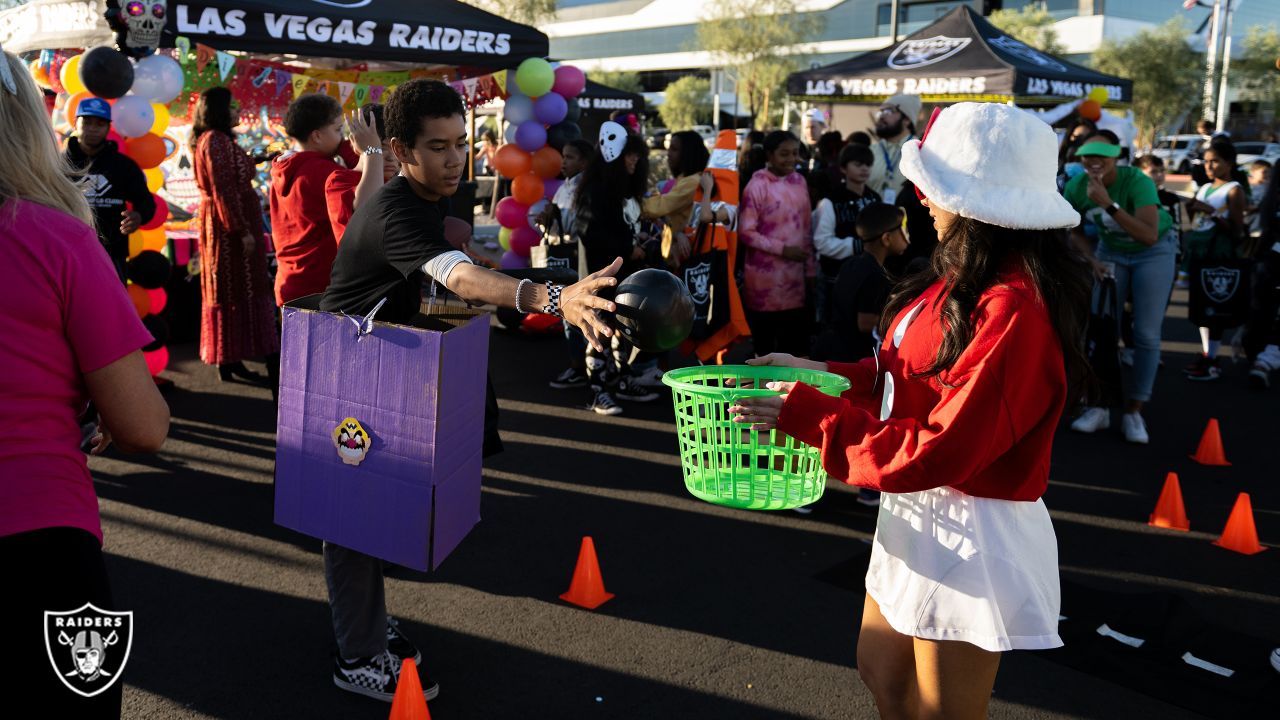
<point>512,261</point>
<point>569,81</point>
<point>550,108</point>
<point>551,186</point>
<point>531,135</point>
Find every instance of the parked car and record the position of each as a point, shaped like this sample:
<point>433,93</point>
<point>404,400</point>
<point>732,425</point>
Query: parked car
<point>1250,150</point>
<point>658,137</point>
<point>1179,152</point>
<point>707,133</point>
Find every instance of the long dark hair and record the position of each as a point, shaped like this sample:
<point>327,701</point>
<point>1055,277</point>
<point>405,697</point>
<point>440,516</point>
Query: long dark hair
<point>693,153</point>
<point>611,178</point>
<point>969,257</point>
<point>213,112</point>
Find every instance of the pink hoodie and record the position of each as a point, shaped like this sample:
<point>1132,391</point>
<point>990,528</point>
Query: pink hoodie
<point>775,214</point>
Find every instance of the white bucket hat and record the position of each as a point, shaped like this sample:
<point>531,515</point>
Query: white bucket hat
<point>993,163</point>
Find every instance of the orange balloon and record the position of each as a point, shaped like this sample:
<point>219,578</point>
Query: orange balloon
<point>546,162</point>
<point>135,243</point>
<point>527,189</point>
<point>40,75</point>
<point>1090,110</point>
<point>73,104</point>
<point>511,161</point>
<point>141,299</point>
<point>147,150</point>
<point>154,239</point>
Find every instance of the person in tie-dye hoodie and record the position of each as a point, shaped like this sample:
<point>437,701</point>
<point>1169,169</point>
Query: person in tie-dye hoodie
<point>774,229</point>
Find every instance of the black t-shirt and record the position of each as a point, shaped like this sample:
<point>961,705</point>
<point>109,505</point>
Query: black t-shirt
<point>382,253</point>
<point>847,206</point>
<point>861,287</point>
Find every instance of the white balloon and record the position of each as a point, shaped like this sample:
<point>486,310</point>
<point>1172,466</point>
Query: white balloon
<point>158,78</point>
<point>518,109</point>
<point>510,133</point>
<point>132,116</point>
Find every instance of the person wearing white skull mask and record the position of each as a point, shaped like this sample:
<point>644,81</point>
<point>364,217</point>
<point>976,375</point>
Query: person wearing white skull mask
<point>608,226</point>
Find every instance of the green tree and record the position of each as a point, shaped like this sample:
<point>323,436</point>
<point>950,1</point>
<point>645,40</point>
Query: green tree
<point>1165,71</point>
<point>529,12</point>
<point>1033,25</point>
<point>619,79</point>
<point>1254,71</point>
<point>687,103</point>
<point>759,40</point>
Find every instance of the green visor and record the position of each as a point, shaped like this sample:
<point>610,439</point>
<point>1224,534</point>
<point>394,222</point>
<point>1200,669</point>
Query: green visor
<point>1101,149</point>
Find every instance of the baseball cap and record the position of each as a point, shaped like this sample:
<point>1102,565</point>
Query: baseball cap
<point>816,115</point>
<point>94,107</point>
<point>1100,149</point>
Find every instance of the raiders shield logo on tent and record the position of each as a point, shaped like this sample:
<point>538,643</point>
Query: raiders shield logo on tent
<point>88,647</point>
<point>917,53</point>
<point>1219,283</point>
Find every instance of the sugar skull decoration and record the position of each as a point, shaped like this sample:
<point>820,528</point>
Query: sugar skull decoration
<point>137,24</point>
<point>613,138</point>
<point>351,440</point>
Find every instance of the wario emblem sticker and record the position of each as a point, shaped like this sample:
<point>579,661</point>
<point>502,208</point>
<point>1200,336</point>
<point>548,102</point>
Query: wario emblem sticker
<point>88,647</point>
<point>351,440</point>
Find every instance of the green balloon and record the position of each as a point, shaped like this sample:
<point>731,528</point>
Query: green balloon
<point>504,238</point>
<point>535,77</point>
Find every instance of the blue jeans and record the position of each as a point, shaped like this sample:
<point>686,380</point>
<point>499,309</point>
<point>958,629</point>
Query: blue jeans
<point>1145,277</point>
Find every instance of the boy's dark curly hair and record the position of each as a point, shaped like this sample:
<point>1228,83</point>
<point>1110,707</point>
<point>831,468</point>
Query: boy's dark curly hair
<point>310,113</point>
<point>416,101</point>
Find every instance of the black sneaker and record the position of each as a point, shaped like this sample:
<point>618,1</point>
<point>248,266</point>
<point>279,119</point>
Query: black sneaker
<point>376,677</point>
<point>399,645</point>
<point>629,389</point>
<point>570,378</point>
<point>604,404</point>
<point>1203,369</point>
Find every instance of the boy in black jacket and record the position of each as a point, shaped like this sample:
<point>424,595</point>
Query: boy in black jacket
<point>113,179</point>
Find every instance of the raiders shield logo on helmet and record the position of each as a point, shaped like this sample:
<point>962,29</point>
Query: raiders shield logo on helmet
<point>1219,283</point>
<point>917,53</point>
<point>88,647</point>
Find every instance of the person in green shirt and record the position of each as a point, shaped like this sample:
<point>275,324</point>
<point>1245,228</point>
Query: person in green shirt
<point>1135,247</point>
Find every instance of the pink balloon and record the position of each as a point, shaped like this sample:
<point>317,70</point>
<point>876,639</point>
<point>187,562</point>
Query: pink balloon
<point>117,138</point>
<point>158,299</point>
<point>512,261</point>
<point>157,360</point>
<point>523,239</point>
<point>511,214</point>
<point>551,186</point>
<point>569,82</point>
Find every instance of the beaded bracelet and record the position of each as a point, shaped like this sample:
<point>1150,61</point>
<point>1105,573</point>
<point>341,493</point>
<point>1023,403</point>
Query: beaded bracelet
<point>553,300</point>
<point>520,289</point>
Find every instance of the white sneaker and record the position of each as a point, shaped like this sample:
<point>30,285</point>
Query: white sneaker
<point>651,378</point>
<point>1135,430</point>
<point>1092,420</point>
<point>1275,659</point>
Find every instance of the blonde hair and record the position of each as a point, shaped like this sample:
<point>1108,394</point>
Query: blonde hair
<point>31,166</point>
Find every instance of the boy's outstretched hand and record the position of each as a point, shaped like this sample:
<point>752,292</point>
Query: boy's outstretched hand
<point>580,303</point>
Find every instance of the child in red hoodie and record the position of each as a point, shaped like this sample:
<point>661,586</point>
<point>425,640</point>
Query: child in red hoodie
<point>300,227</point>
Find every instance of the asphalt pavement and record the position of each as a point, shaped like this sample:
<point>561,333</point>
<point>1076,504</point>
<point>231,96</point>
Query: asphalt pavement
<point>719,613</point>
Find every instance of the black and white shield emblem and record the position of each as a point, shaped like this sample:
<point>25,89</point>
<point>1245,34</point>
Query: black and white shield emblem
<point>698,280</point>
<point>1219,283</point>
<point>88,647</point>
<point>917,53</point>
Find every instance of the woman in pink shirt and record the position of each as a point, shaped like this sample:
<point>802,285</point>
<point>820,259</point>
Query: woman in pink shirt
<point>70,335</point>
<point>774,228</point>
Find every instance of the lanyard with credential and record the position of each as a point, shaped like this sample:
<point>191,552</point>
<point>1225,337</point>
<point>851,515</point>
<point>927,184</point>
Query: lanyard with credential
<point>889,163</point>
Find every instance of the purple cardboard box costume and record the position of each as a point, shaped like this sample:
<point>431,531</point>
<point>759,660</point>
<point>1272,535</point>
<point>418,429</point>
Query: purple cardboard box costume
<point>380,430</point>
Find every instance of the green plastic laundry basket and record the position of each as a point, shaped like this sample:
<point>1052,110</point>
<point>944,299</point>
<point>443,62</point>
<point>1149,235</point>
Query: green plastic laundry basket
<point>725,462</point>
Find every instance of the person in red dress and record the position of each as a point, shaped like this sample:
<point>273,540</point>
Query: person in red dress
<point>237,318</point>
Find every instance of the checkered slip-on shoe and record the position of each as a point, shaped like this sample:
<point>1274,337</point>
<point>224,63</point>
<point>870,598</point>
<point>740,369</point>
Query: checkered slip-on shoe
<point>376,677</point>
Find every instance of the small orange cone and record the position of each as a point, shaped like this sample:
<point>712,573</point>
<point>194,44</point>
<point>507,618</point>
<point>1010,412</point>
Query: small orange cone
<point>409,702</point>
<point>1210,450</point>
<point>1240,535</point>
<point>1170,513</point>
<point>587,589</point>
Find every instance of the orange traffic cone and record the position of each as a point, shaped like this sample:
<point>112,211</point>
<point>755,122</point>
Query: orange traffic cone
<point>587,589</point>
<point>1170,512</point>
<point>1240,535</point>
<point>409,702</point>
<point>1210,450</point>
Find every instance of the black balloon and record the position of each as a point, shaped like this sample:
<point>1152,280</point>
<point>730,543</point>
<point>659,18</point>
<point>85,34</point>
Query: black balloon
<point>159,329</point>
<point>106,72</point>
<point>149,269</point>
<point>575,111</point>
<point>563,132</point>
<point>655,310</point>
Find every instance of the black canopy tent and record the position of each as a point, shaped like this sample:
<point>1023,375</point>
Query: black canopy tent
<point>440,32</point>
<point>960,57</point>
<point>598,102</point>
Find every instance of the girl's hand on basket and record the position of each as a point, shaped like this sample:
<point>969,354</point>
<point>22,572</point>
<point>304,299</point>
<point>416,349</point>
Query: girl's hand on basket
<point>785,360</point>
<point>762,412</point>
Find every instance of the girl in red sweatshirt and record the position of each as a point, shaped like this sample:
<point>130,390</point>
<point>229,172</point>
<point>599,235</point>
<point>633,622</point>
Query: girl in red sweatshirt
<point>954,419</point>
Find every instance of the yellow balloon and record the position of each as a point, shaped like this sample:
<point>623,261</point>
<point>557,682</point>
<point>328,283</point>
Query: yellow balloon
<point>155,179</point>
<point>1098,95</point>
<point>135,243</point>
<point>162,119</point>
<point>70,75</point>
<point>154,239</point>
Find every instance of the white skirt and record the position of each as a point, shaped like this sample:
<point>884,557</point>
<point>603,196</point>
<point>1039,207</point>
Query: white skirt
<point>949,566</point>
